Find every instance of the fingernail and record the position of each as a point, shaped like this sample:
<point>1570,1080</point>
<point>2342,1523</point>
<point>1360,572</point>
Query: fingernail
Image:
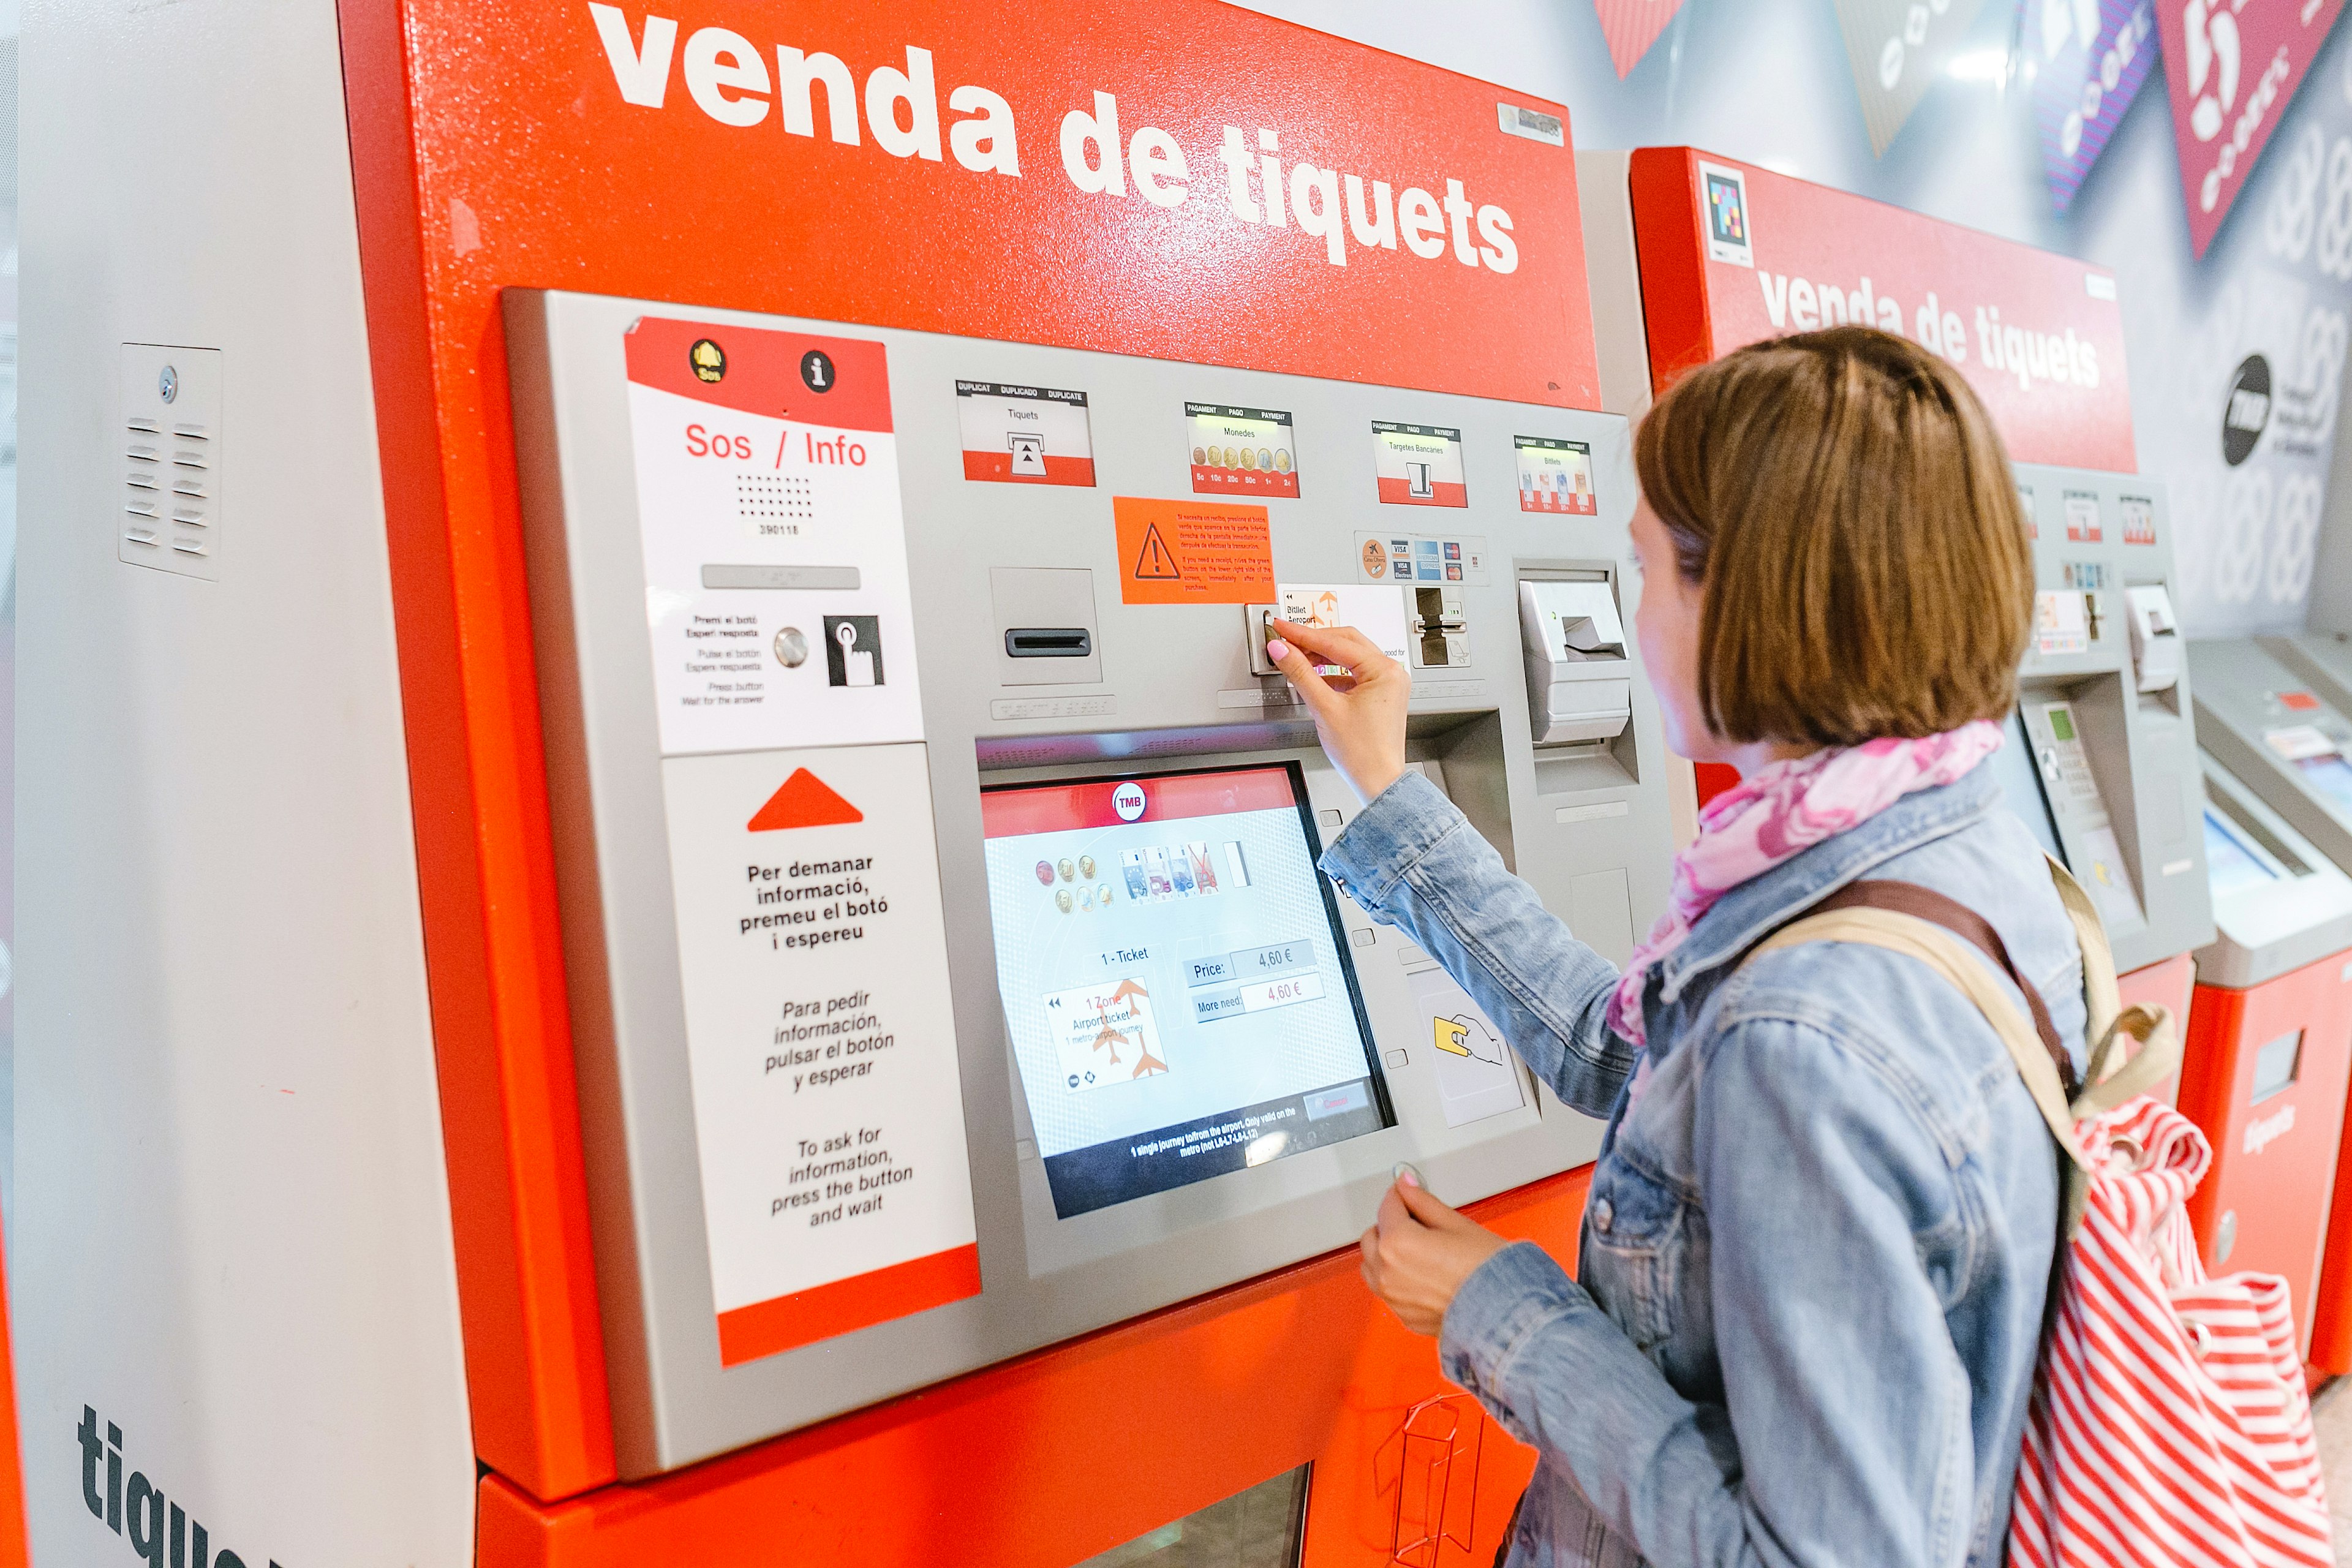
<point>1277,649</point>
<point>1406,1174</point>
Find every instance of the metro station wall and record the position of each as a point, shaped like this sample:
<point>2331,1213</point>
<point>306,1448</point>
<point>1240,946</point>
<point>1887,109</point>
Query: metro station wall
<point>1767,81</point>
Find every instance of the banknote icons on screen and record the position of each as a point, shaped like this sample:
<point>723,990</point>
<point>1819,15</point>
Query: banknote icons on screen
<point>1154,873</point>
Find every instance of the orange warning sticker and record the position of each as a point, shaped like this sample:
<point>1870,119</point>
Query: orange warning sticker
<point>1192,552</point>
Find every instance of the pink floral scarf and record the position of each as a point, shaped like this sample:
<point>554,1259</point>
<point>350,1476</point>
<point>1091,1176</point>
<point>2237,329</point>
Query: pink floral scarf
<point>1775,814</point>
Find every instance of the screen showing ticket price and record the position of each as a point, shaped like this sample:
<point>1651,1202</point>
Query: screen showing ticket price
<point>1175,979</point>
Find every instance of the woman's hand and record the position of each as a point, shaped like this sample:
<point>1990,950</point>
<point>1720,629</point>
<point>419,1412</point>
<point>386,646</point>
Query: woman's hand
<point>1361,717</point>
<point>1419,1252</point>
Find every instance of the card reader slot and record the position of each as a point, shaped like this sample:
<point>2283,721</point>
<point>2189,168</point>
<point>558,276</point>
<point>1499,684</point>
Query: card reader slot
<point>1048,642</point>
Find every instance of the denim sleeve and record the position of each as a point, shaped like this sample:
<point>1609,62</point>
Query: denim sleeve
<point>1412,860</point>
<point>1849,1417</point>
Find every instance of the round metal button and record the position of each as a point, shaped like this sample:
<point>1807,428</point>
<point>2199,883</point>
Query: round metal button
<point>1602,1216</point>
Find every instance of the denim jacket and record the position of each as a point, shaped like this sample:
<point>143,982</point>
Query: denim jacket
<point>1811,1280</point>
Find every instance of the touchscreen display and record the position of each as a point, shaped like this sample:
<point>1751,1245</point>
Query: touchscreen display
<point>1175,983</point>
<point>2230,867</point>
<point>2331,776</point>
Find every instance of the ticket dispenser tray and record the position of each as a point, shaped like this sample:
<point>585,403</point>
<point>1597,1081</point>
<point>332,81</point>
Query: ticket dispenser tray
<point>1579,687</point>
<point>950,969</point>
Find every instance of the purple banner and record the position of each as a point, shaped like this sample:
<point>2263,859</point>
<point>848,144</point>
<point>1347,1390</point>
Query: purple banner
<point>2088,58</point>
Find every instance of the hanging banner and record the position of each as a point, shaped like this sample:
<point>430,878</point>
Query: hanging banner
<point>2090,57</point>
<point>1631,26</point>
<point>2239,395</point>
<point>1731,254</point>
<point>1898,49</point>
<point>2232,69</point>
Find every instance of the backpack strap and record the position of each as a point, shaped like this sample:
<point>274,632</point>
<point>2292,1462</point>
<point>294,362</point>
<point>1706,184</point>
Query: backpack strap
<point>1927,941</point>
<point>1926,904</point>
<point>2112,1079</point>
<point>1901,921</point>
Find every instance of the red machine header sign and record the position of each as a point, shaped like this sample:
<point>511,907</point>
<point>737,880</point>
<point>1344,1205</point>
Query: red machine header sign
<point>1731,254</point>
<point>1183,181</point>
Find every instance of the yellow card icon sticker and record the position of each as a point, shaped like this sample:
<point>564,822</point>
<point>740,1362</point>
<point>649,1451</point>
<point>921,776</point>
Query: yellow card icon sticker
<point>1467,1036</point>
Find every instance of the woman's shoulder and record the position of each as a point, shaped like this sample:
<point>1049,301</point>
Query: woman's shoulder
<point>1874,1032</point>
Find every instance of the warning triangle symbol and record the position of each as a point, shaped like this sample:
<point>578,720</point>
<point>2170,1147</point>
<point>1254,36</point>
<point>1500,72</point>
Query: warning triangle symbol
<point>805,801</point>
<point>1155,560</point>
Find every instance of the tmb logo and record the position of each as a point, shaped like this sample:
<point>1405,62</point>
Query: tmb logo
<point>159,1530</point>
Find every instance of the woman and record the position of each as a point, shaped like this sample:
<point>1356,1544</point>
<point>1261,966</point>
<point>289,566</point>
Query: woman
<point>1813,1259</point>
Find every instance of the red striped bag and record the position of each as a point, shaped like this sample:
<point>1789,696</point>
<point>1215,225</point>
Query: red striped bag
<point>2170,1423</point>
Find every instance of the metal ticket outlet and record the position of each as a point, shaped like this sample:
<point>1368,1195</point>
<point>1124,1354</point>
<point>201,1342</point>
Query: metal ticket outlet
<point>950,973</point>
<point>2102,759</point>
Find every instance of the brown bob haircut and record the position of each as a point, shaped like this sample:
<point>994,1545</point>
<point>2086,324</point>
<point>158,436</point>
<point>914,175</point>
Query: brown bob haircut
<point>1844,500</point>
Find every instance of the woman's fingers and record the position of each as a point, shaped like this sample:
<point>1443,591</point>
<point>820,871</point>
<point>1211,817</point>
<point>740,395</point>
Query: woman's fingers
<point>1293,663</point>
<point>1426,1209</point>
<point>1343,645</point>
<point>1360,717</point>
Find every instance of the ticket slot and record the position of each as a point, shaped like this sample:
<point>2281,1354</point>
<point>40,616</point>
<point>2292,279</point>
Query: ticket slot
<point>1049,642</point>
<point>1048,629</point>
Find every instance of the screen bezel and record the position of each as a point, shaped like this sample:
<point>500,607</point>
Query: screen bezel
<point>1376,1071</point>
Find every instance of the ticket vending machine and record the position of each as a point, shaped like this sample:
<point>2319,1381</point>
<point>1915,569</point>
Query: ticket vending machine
<point>2268,711</point>
<point>723,951</point>
<point>2102,756</point>
<point>2282,733</point>
<point>950,971</point>
<point>2321,659</point>
<point>2104,714</point>
<point>2269,1047</point>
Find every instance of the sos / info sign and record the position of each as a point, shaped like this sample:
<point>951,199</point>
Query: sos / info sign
<point>820,1036</point>
<point>1731,254</point>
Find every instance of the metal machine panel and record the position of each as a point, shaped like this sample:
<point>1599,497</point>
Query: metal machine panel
<point>230,1241</point>
<point>2278,903</point>
<point>2281,736</point>
<point>2321,659</point>
<point>1153,689</point>
<point>2104,706</point>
